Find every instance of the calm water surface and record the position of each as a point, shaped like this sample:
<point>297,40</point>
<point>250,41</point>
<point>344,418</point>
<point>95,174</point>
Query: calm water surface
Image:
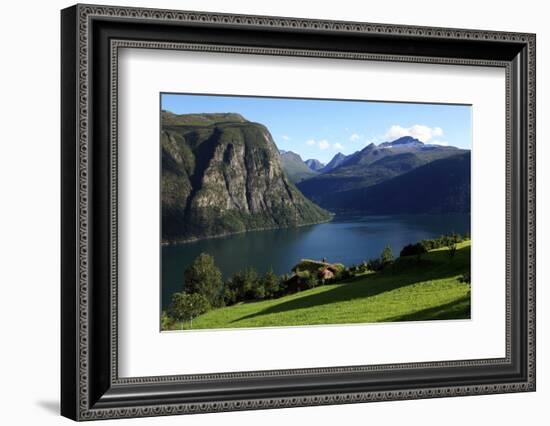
<point>348,240</point>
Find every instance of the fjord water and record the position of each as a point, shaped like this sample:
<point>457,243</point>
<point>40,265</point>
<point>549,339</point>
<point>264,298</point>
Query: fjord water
<point>346,239</point>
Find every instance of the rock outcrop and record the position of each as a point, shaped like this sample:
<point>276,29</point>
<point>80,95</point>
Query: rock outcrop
<point>222,174</point>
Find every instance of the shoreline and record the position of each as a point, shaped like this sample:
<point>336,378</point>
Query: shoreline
<point>193,240</point>
<point>332,216</point>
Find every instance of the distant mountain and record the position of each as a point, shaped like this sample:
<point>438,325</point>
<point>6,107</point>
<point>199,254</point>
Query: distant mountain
<point>314,164</point>
<point>370,166</point>
<point>337,160</point>
<point>222,174</point>
<point>441,186</point>
<point>403,141</point>
<point>294,166</point>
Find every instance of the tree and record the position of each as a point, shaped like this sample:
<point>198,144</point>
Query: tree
<point>252,286</point>
<point>413,250</point>
<point>229,294</point>
<point>307,279</point>
<point>386,256</point>
<point>270,284</point>
<point>204,278</point>
<point>245,285</point>
<point>451,241</point>
<point>283,285</point>
<point>374,265</point>
<point>186,306</point>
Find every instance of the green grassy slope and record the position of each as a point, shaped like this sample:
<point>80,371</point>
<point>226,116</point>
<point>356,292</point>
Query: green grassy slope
<point>408,291</point>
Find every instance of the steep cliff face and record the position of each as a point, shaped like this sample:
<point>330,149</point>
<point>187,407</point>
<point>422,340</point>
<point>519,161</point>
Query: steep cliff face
<point>221,175</point>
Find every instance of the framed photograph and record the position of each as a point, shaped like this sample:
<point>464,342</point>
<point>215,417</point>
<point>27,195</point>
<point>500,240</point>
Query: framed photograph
<point>263,212</point>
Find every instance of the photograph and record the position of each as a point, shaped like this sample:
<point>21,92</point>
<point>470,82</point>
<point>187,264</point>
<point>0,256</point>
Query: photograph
<point>282,212</point>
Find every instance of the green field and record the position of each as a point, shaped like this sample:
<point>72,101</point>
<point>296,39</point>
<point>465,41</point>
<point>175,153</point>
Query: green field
<point>409,290</point>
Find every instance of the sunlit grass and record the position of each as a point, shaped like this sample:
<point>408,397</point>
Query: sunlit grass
<point>424,289</point>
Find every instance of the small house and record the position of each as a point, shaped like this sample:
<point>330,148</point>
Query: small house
<point>327,274</point>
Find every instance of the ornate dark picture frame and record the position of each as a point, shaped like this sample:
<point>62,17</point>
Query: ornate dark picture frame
<point>91,37</point>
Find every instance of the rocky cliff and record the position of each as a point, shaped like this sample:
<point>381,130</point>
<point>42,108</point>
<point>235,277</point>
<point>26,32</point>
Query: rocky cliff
<point>222,174</point>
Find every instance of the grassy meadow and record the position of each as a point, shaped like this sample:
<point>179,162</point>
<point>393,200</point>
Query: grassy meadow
<point>411,289</point>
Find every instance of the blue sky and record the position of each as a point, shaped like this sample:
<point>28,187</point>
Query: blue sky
<point>322,128</point>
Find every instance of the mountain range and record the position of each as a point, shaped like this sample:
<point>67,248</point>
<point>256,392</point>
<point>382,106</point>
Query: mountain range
<point>336,187</point>
<point>314,164</point>
<point>336,161</point>
<point>296,169</point>
<point>440,186</point>
<point>222,174</point>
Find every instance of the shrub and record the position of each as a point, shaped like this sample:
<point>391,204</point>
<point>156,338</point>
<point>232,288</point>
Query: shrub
<point>310,281</point>
<point>386,258</point>
<point>354,270</point>
<point>283,285</point>
<point>428,244</point>
<point>374,265</point>
<point>258,291</point>
<point>362,267</point>
<point>306,280</point>
<point>229,294</point>
<point>413,250</point>
<point>443,241</point>
<point>405,263</point>
<point>340,267</point>
<point>346,274</point>
<point>465,278</point>
<point>166,321</point>
<point>186,306</point>
<point>451,241</point>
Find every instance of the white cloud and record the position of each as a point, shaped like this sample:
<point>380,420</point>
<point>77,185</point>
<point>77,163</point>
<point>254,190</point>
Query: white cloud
<point>442,143</point>
<point>286,138</point>
<point>323,144</point>
<point>354,137</point>
<point>337,146</point>
<point>418,131</point>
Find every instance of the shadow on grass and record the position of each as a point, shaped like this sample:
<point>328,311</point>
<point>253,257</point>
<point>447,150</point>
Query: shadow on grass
<point>457,309</point>
<point>370,285</point>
